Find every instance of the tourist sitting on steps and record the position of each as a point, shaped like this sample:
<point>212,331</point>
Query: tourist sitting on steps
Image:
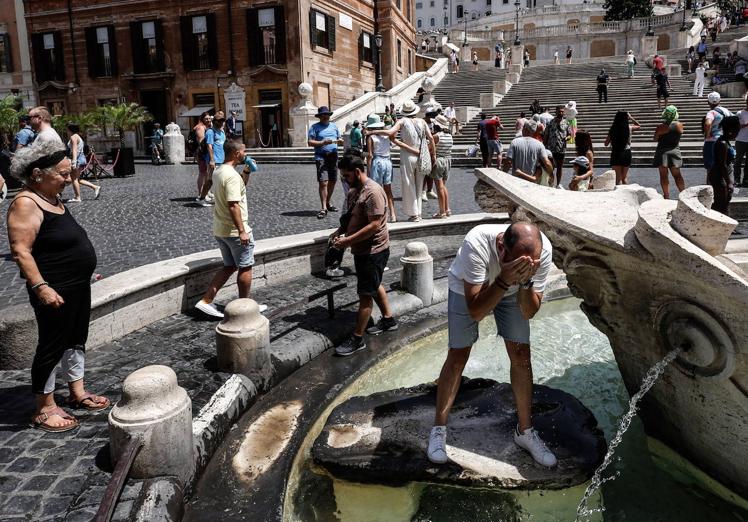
<point>366,233</point>
<point>500,269</point>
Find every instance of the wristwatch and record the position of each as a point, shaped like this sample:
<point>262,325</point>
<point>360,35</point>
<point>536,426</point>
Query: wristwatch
<point>527,285</point>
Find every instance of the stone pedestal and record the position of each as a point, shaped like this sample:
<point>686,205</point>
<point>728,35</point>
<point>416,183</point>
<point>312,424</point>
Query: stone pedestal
<point>648,47</point>
<point>243,341</point>
<point>512,78</point>
<point>465,56</point>
<point>515,67</point>
<point>501,87</point>
<point>418,272</point>
<point>302,116</point>
<point>518,55</point>
<point>673,70</point>
<point>174,144</point>
<point>153,406</point>
<point>490,99</point>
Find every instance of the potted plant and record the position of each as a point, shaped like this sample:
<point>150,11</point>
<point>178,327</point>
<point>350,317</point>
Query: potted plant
<point>9,114</point>
<point>123,117</point>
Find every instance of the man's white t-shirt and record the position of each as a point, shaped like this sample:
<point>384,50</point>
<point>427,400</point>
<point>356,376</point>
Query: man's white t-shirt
<point>449,113</point>
<point>48,135</point>
<point>477,261</point>
<point>743,134</point>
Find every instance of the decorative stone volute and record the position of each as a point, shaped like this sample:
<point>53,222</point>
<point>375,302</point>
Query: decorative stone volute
<point>694,220</point>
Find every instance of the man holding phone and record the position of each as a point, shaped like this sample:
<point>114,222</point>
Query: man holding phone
<point>231,227</point>
<point>325,137</point>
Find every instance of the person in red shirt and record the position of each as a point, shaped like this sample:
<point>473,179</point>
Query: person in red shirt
<point>494,143</point>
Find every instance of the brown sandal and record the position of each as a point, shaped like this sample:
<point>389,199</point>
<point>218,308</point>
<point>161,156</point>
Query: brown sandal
<point>40,421</point>
<point>89,401</point>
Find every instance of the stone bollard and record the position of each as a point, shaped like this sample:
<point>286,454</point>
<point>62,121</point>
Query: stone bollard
<point>174,144</point>
<point>418,272</point>
<point>155,407</point>
<point>243,341</point>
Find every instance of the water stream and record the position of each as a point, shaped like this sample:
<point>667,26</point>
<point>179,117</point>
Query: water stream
<point>583,512</point>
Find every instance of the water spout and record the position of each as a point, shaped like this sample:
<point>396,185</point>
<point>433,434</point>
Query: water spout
<point>583,511</point>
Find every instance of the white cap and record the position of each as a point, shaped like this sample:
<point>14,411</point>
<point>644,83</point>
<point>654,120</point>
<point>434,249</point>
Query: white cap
<point>714,97</point>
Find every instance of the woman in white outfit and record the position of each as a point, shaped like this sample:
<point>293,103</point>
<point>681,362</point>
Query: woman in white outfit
<point>413,131</point>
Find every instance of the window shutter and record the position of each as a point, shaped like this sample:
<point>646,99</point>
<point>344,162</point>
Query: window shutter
<point>94,69</point>
<point>160,45</point>
<point>185,24</point>
<point>8,53</point>
<point>254,38</point>
<point>360,48</point>
<point>136,38</point>
<point>280,35</point>
<point>37,44</point>
<point>212,40</point>
<point>313,27</point>
<point>59,58</point>
<point>113,49</point>
<point>331,22</point>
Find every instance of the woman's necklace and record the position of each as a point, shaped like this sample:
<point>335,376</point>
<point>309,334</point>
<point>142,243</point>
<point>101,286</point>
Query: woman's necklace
<point>55,203</point>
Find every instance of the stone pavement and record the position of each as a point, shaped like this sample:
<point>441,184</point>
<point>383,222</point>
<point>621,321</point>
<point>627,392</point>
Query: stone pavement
<point>46,476</point>
<point>152,216</point>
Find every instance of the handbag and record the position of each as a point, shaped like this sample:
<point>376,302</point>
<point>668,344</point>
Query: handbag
<point>423,165</point>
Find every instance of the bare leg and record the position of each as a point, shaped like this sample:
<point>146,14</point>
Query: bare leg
<point>75,183</point>
<point>441,192</point>
<point>382,302</point>
<point>208,183</point>
<point>323,194</point>
<point>449,383</point>
<point>390,201</point>
<point>559,172</point>
<point>217,283</point>
<point>624,175</point>
<point>619,176</point>
<point>46,402</point>
<point>664,182</point>
<point>679,182</point>
<point>521,377</point>
<point>365,305</point>
<point>244,281</point>
<point>87,184</point>
<point>330,190</point>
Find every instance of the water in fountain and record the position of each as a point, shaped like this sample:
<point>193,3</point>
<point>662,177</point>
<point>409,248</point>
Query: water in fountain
<point>583,512</point>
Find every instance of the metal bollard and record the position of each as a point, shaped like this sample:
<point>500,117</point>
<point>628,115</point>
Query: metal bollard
<point>243,341</point>
<point>153,406</point>
<point>418,272</point>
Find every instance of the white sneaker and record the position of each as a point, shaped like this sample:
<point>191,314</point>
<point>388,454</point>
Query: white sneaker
<point>432,195</point>
<point>97,191</point>
<point>424,197</point>
<point>334,272</point>
<point>74,200</point>
<point>262,307</point>
<point>530,441</point>
<point>437,451</point>
<point>205,203</point>
<point>210,197</point>
<point>209,309</point>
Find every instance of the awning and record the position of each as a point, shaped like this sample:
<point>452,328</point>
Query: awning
<point>266,105</point>
<point>196,111</point>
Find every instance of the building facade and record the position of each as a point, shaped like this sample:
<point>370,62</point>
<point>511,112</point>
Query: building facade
<point>15,62</point>
<point>178,58</point>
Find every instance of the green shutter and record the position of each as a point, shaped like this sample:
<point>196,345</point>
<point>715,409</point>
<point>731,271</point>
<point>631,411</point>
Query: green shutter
<point>92,53</point>
<point>280,35</point>
<point>8,54</point>
<point>254,38</point>
<point>313,27</point>
<point>331,32</point>
<point>185,24</point>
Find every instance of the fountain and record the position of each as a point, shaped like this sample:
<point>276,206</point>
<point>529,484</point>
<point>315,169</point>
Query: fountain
<point>654,276</point>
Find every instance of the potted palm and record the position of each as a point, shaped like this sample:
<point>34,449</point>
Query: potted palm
<point>9,113</point>
<point>123,117</point>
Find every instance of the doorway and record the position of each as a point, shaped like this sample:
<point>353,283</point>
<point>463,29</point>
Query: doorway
<point>155,103</point>
<point>271,117</point>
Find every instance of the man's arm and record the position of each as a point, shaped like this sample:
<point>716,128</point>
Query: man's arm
<point>361,235</point>
<point>236,216</point>
<point>482,298</point>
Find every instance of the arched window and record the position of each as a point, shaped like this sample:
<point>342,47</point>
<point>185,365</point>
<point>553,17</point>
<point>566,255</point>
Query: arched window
<point>419,23</point>
<point>459,11</point>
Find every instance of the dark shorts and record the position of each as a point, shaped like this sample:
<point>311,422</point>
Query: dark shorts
<point>708,154</point>
<point>369,270</point>
<point>662,92</point>
<point>327,169</point>
<point>558,158</point>
<point>620,158</point>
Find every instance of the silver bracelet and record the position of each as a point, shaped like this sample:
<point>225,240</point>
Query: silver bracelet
<point>37,285</point>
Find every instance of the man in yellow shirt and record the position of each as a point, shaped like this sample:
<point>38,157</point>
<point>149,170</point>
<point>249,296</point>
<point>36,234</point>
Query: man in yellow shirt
<point>231,228</point>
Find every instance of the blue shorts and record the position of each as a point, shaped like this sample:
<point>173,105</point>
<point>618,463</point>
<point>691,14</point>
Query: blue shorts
<point>463,329</point>
<point>381,170</point>
<point>708,153</point>
<point>494,146</point>
<point>236,254</point>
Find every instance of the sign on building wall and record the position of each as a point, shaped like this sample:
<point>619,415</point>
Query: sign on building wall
<point>235,101</point>
<point>346,22</point>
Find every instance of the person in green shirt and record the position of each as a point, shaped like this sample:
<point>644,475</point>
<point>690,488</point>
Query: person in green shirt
<point>357,138</point>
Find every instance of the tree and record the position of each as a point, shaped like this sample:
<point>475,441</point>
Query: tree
<point>9,115</point>
<point>627,9</point>
<point>123,117</point>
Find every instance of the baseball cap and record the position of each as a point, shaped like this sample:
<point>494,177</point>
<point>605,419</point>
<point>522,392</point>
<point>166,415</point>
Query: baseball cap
<point>714,97</point>
<point>582,161</point>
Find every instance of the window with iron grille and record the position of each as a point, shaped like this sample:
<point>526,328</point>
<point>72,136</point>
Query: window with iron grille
<point>147,47</point>
<point>266,33</point>
<point>101,50</point>
<point>322,29</point>
<point>48,57</point>
<point>6,58</point>
<point>366,47</point>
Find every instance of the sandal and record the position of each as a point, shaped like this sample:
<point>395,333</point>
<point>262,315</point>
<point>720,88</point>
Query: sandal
<point>414,219</point>
<point>439,216</point>
<point>448,213</point>
<point>40,421</point>
<point>332,208</point>
<point>322,214</point>
<point>89,401</point>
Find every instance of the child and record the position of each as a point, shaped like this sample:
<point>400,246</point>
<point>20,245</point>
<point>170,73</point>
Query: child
<point>570,114</point>
<point>440,171</point>
<point>582,174</point>
<point>378,160</point>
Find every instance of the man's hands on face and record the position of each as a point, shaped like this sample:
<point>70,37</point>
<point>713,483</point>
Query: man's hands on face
<point>519,270</point>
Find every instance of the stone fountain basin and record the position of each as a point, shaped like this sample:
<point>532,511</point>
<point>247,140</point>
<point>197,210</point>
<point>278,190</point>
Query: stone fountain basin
<point>382,439</point>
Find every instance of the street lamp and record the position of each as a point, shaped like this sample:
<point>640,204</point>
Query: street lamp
<point>516,24</point>
<point>683,25</point>
<point>378,43</point>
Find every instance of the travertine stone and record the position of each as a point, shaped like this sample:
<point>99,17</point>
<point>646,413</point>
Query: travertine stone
<point>695,220</point>
<point>302,116</point>
<point>512,78</point>
<point>418,272</point>
<point>153,406</point>
<point>243,341</point>
<point>501,87</point>
<point>605,181</point>
<point>174,144</point>
<point>490,99</point>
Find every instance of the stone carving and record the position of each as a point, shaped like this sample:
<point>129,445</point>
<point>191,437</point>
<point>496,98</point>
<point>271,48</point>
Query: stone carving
<point>653,277</point>
<point>302,116</point>
<point>173,144</point>
<point>429,103</point>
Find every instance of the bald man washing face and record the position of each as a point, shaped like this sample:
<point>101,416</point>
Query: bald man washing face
<point>500,269</point>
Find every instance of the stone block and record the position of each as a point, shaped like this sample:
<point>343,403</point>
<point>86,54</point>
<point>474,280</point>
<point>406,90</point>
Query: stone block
<point>466,113</point>
<point>673,70</point>
<point>501,87</point>
<point>243,341</point>
<point>605,181</point>
<point>489,99</point>
<point>154,407</point>
<point>515,67</point>
<point>512,78</point>
<point>417,277</point>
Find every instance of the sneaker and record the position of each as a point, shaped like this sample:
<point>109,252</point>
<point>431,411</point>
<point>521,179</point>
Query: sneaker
<point>209,309</point>
<point>432,195</point>
<point>262,307</point>
<point>74,200</point>
<point>530,441</point>
<point>97,191</point>
<point>205,203</point>
<point>351,346</point>
<point>210,197</point>
<point>385,324</point>
<point>437,451</point>
<point>334,272</point>
<point>424,197</point>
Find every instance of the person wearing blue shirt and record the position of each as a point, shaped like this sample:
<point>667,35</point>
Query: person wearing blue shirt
<point>25,136</point>
<point>215,137</point>
<point>157,138</point>
<point>325,138</point>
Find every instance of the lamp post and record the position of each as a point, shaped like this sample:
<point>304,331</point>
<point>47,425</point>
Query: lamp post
<point>683,25</point>
<point>378,43</point>
<point>516,24</point>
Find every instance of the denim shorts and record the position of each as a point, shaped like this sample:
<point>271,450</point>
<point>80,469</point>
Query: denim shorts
<point>236,254</point>
<point>381,170</point>
<point>494,146</point>
<point>463,329</point>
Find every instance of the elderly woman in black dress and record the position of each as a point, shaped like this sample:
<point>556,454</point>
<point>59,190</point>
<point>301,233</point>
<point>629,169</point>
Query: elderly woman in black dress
<point>57,260</point>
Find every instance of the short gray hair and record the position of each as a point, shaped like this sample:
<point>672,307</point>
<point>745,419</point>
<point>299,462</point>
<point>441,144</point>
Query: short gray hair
<point>19,166</point>
<point>530,127</point>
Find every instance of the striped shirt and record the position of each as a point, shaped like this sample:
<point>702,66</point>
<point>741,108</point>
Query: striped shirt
<point>444,147</point>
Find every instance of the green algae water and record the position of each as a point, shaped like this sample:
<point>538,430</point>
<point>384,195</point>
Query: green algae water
<point>653,484</point>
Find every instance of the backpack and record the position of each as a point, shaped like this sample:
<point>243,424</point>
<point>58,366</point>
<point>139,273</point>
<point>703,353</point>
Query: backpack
<point>192,141</point>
